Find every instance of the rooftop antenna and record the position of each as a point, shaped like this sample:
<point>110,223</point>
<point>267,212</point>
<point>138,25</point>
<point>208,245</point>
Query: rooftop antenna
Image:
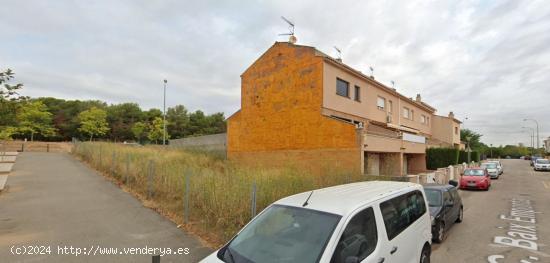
<point>393,85</point>
<point>306,203</point>
<point>292,39</point>
<point>371,72</point>
<point>339,53</point>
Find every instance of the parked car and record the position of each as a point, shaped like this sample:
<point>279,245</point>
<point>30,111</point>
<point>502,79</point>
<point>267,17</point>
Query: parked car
<point>475,178</point>
<point>542,165</point>
<point>492,169</point>
<point>500,167</point>
<point>534,159</point>
<point>360,222</point>
<point>445,208</point>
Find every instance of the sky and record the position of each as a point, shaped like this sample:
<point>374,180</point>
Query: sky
<point>488,61</point>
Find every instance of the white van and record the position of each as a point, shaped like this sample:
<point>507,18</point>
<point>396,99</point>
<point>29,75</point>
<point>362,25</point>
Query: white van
<point>370,222</point>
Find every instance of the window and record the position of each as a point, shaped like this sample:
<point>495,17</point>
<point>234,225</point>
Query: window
<point>412,115</point>
<point>402,211</point>
<point>428,121</point>
<point>357,95</point>
<point>390,106</point>
<point>342,87</point>
<point>381,103</point>
<point>359,238</point>
<point>406,112</point>
<point>456,130</point>
<point>423,119</point>
<point>283,225</point>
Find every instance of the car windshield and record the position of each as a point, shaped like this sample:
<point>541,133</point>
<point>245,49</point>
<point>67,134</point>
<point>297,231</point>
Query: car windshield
<point>473,172</point>
<point>489,165</point>
<point>434,197</point>
<point>543,161</point>
<point>283,234</point>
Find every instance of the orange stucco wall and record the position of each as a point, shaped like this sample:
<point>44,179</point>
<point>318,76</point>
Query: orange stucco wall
<point>280,118</point>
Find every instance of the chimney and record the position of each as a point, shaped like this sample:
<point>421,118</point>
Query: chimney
<point>451,115</point>
<point>418,98</point>
<point>292,39</point>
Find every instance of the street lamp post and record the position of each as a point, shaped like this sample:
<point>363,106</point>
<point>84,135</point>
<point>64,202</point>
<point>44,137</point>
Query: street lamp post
<point>469,150</point>
<point>164,115</point>
<point>532,138</point>
<point>491,151</point>
<point>536,122</point>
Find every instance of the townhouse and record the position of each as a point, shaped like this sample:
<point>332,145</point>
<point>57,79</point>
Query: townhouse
<point>301,107</point>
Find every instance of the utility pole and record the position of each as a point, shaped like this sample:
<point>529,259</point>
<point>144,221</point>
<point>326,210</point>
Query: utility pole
<point>491,151</point>
<point>164,116</point>
<point>469,150</point>
<point>537,123</point>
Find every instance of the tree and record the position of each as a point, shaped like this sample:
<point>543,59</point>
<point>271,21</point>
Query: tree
<point>475,139</point>
<point>178,121</point>
<point>156,130</point>
<point>65,114</point>
<point>7,132</point>
<point>9,98</point>
<point>93,122</point>
<point>7,91</point>
<point>121,118</point>
<point>34,118</point>
<point>139,129</point>
<point>153,113</point>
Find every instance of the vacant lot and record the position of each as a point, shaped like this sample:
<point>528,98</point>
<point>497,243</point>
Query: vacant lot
<point>220,194</point>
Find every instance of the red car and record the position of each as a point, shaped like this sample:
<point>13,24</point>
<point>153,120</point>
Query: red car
<point>475,178</point>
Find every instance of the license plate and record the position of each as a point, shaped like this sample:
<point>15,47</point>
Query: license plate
<point>471,184</point>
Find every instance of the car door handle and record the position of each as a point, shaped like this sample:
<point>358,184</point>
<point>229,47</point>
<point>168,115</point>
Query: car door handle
<point>381,260</point>
<point>393,250</point>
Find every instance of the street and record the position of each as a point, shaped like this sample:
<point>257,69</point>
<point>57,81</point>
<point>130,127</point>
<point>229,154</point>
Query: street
<point>474,239</point>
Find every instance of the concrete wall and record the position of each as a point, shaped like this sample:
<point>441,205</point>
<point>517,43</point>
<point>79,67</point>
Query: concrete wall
<point>35,146</point>
<point>280,119</point>
<point>214,142</point>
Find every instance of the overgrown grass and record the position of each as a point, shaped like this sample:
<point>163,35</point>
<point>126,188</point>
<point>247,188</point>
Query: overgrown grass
<point>219,193</point>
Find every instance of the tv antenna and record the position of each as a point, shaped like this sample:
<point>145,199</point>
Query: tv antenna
<point>393,84</point>
<point>339,53</point>
<point>371,71</point>
<point>292,39</point>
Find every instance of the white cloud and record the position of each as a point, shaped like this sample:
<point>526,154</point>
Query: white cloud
<point>485,60</point>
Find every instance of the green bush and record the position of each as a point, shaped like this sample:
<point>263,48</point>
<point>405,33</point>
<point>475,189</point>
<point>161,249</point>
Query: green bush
<point>441,157</point>
<point>475,156</point>
<point>463,156</point>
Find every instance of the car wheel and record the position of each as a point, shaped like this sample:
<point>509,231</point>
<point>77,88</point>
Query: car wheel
<point>425,256</point>
<point>460,215</point>
<point>440,232</point>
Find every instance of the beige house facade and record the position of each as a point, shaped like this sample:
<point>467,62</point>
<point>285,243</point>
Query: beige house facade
<point>302,104</point>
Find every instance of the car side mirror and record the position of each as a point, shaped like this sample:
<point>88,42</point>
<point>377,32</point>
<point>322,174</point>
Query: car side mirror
<point>449,204</point>
<point>453,183</point>
<point>352,259</point>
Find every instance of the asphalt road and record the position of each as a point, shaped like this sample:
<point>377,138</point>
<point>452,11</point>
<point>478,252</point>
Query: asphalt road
<point>509,223</point>
<point>54,201</point>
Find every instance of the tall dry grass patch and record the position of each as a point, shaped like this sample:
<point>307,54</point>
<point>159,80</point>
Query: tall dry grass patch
<point>220,192</point>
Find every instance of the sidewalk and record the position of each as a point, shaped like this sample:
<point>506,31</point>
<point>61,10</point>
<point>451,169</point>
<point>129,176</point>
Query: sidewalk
<point>55,200</point>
